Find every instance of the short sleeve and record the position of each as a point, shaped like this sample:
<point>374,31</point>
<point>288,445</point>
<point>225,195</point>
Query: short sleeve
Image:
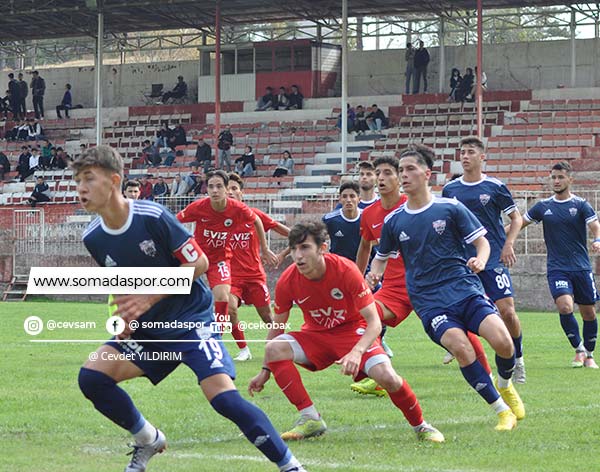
<point>535,213</point>
<point>365,229</point>
<point>588,213</point>
<point>505,200</point>
<point>268,222</point>
<point>190,213</point>
<point>388,244</point>
<point>246,213</point>
<point>171,232</point>
<point>467,224</point>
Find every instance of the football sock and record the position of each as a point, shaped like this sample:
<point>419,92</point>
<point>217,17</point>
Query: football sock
<point>110,399</point>
<point>518,342</point>
<point>499,406</point>
<point>221,312</point>
<point>288,378</point>
<point>590,332</point>
<point>145,434</point>
<point>479,379</point>
<point>505,370</point>
<point>255,425</point>
<point>311,412</point>
<point>479,351</point>
<point>571,329</point>
<point>405,399</point>
<point>238,335</point>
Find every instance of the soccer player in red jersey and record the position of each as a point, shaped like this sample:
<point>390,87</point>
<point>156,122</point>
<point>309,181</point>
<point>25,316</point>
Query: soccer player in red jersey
<point>340,326</point>
<point>248,277</point>
<point>392,301</point>
<point>216,218</point>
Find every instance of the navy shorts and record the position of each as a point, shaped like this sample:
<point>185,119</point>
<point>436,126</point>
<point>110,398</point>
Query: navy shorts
<point>201,350</point>
<point>580,285</point>
<point>466,315</point>
<point>496,283</point>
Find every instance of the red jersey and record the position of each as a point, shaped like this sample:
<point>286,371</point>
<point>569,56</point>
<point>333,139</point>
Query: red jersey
<point>213,227</point>
<point>371,222</point>
<point>245,262</point>
<point>336,299</point>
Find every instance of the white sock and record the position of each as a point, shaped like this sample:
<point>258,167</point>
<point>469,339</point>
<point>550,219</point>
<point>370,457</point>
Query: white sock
<point>499,406</point>
<point>519,361</point>
<point>589,354</point>
<point>146,435</point>
<point>580,348</point>
<point>502,382</point>
<point>311,412</point>
<point>292,463</point>
<point>416,428</point>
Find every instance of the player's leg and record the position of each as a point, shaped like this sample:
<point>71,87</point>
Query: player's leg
<point>590,333</point>
<point>280,355</point>
<point>237,333</point>
<point>506,307</point>
<point>265,313</point>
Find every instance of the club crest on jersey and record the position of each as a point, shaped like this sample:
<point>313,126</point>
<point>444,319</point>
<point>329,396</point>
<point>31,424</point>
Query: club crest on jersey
<point>337,293</point>
<point>573,211</point>
<point>148,247</point>
<point>228,222</point>
<point>439,226</point>
<point>498,270</point>
<point>484,198</point>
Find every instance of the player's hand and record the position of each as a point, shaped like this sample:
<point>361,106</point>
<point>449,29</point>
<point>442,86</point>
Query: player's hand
<point>280,258</point>
<point>475,264</point>
<point>372,279</point>
<point>350,363</point>
<point>258,382</point>
<point>596,248</point>
<point>269,258</point>
<point>507,256</point>
<point>131,307</point>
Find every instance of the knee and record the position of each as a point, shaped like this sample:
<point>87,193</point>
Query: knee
<point>564,305</point>
<point>92,382</point>
<point>277,351</point>
<point>390,381</point>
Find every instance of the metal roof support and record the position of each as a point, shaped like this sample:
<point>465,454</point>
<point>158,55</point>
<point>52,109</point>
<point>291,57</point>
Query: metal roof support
<point>442,69</point>
<point>573,49</point>
<point>217,80</point>
<point>344,129</point>
<point>99,67</point>
<point>479,91</point>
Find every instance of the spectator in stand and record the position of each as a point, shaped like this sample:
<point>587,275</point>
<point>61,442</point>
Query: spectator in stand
<point>46,154</point>
<point>178,187</point>
<point>179,91</point>
<point>13,133</point>
<point>150,154</point>
<point>38,88</point>
<point>60,160</point>
<point>178,137</point>
<point>200,187</point>
<point>360,123</point>
<point>296,99</point>
<point>168,155</point>
<point>4,106</point>
<point>409,56</point>
<point>376,120</point>
<point>34,160</point>
<point>132,189</point>
<point>351,118</point>
<point>146,188</point>
<point>190,179</point>
<point>23,163</point>
<point>267,101</point>
<point>82,148</point>
<point>421,62</point>
<point>34,130</point>
<point>285,166</point>
<point>4,165</point>
<point>203,155</point>
<point>41,193</point>
<point>245,165</point>
<point>66,103</point>
<point>463,92</point>
<point>483,82</point>
<point>455,79</point>
<point>160,190</point>
<point>282,100</point>
<point>14,93</point>
<point>23,92</point>
<point>224,143</point>
<point>163,135</point>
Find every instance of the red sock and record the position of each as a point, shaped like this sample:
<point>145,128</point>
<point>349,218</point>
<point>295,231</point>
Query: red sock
<point>406,400</point>
<point>222,312</point>
<point>479,351</point>
<point>288,378</point>
<point>238,335</point>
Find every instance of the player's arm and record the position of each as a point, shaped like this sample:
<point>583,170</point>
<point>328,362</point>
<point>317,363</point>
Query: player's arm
<point>507,256</point>
<point>268,256</point>
<point>284,231</point>
<point>477,263</point>
<point>351,362</point>
<point>378,265</point>
<point>595,229</point>
<point>362,254</point>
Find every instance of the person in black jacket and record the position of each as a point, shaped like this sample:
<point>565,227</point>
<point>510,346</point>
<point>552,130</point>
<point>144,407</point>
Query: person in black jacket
<point>455,79</point>
<point>421,61</point>
<point>463,91</point>
<point>203,155</point>
<point>376,119</point>
<point>295,99</point>
<point>224,143</point>
<point>41,192</point>
<point>23,92</point>
<point>179,91</point>
<point>38,88</point>
<point>14,96</point>
<point>245,165</point>
<point>267,101</point>
<point>4,165</point>
<point>178,137</point>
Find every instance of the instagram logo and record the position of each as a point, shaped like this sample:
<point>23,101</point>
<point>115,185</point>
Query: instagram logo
<point>33,325</point>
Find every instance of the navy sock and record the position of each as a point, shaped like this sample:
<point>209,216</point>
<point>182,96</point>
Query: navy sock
<point>255,425</point>
<point>518,342</point>
<point>590,333</point>
<point>571,329</point>
<point>109,399</point>
<point>505,366</point>
<point>479,379</point>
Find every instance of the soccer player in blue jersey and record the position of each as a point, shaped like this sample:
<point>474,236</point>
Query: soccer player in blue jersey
<point>565,218</point>
<point>133,233</point>
<point>343,224</point>
<point>447,295</point>
<point>488,198</point>
<point>366,184</point>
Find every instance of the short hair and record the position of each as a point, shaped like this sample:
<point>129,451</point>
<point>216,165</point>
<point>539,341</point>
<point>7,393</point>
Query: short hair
<point>366,165</point>
<point>390,160</point>
<point>472,141</point>
<point>563,165</point>
<point>105,157</point>
<point>350,185</point>
<point>424,155</point>
<point>68,86</point>
<point>374,105</point>
<point>248,146</point>
<point>180,77</point>
<point>300,231</point>
<point>11,76</point>
<point>35,72</point>
<point>132,183</point>
<point>218,173</point>
<point>237,179</point>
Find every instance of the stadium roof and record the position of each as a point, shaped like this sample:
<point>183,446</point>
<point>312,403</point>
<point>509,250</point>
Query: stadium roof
<point>43,19</point>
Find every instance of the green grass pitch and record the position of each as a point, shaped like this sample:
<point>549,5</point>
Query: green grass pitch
<point>47,425</point>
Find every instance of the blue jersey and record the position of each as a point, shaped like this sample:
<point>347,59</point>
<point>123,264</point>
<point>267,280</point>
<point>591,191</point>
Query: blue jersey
<point>487,200</point>
<point>565,231</point>
<point>361,204</point>
<point>431,241</point>
<point>343,233</point>
<point>151,237</point>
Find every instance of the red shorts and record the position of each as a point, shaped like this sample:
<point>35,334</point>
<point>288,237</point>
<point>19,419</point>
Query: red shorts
<point>219,273</point>
<point>323,348</point>
<point>251,291</point>
<point>396,300</point>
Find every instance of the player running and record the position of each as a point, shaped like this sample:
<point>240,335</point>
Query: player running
<point>488,198</point>
<point>340,326</point>
<point>430,234</point>
<point>565,218</point>
<point>130,233</point>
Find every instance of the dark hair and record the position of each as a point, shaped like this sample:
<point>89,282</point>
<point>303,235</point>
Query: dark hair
<point>350,185</point>
<point>392,161</point>
<point>132,183</point>
<point>374,105</point>
<point>180,77</point>
<point>472,141</point>
<point>288,153</point>
<point>300,231</point>
<point>11,76</point>
<point>368,165</point>
<point>563,165</point>
<point>248,146</point>
<point>454,69</point>
<point>237,179</point>
<point>424,155</point>
<point>35,72</point>
<point>218,173</point>
<point>68,86</point>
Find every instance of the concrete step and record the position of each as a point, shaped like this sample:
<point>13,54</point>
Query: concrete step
<point>268,116</point>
